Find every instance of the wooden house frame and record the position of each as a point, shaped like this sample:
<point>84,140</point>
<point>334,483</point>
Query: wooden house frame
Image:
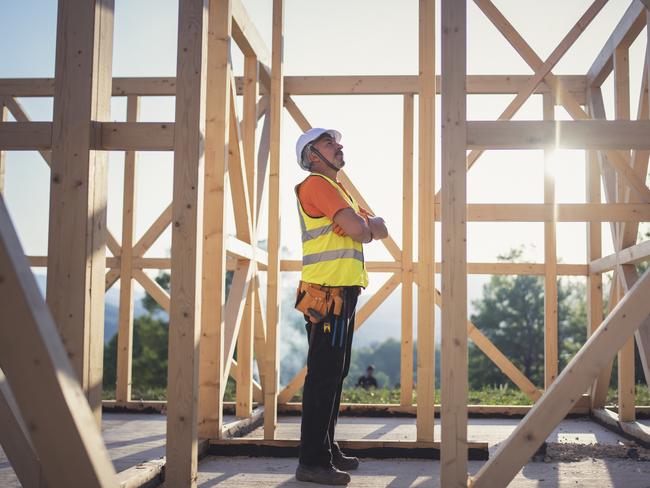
<point>216,157</point>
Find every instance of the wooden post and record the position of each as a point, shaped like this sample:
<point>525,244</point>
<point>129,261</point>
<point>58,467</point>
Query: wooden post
<point>245,339</point>
<point>600,387</point>
<point>273,269</point>
<point>550,261</point>
<point>77,228</point>
<point>406,363</point>
<point>125,331</point>
<point>558,400</point>
<point>426,242</point>
<point>626,354</point>
<point>594,250</point>
<point>453,409</point>
<point>217,135</point>
<point>187,241</point>
<point>4,117</point>
<point>41,377</point>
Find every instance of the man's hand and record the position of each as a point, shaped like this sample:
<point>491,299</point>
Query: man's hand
<point>365,214</point>
<point>349,223</point>
<point>377,227</point>
<point>338,230</point>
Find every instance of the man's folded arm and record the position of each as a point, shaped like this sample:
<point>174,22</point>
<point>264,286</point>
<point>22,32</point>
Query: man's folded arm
<point>353,225</point>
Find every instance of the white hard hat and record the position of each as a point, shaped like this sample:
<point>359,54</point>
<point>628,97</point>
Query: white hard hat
<point>310,136</point>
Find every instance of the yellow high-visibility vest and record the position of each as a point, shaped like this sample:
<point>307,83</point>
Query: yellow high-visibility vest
<point>327,258</point>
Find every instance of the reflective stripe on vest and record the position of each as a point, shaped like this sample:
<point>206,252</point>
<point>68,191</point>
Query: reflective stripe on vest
<point>308,235</point>
<point>330,259</point>
<point>332,255</point>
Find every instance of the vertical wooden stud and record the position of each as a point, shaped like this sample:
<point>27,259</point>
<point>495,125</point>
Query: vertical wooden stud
<point>406,363</point>
<point>245,338</point>
<point>550,261</point>
<point>4,117</point>
<point>77,225</point>
<point>453,402</point>
<point>125,330</point>
<point>273,269</point>
<point>217,135</point>
<point>426,242</point>
<point>594,247</point>
<point>626,354</point>
<point>187,242</point>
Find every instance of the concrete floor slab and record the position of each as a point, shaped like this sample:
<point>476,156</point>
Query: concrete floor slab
<point>398,473</point>
<point>132,438</point>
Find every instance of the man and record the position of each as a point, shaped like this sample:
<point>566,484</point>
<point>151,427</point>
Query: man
<point>368,380</point>
<point>334,228</point>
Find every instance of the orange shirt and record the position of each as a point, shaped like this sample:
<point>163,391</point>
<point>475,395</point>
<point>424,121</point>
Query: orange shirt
<point>318,198</point>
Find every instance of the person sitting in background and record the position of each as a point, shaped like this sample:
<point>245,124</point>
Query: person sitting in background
<point>368,381</point>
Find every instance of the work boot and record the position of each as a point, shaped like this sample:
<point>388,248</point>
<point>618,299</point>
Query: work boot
<point>320,474</point>
<point>345,463</point>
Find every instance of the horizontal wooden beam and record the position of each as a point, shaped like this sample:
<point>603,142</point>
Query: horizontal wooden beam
<point>575,134</point>
<point>108,136</point>
<point>625,32</point>
<point>371,409</point>
<point>535,269</point>
<point>17,136</point>
<point>636,430</point>
<point>159,136</point>
<point>375,448</point>
<point>291,265</point>
<point>136,136</point>
<point>559,212</point>
<point>152,263</point>
<point>400,84</point>
<point>310,85</point>
<point>630,255</point>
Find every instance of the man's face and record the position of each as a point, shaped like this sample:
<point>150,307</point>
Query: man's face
<point>330,149</point>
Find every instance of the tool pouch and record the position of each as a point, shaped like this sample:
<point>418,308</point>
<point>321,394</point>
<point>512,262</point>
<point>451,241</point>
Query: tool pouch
<point>316,301</point>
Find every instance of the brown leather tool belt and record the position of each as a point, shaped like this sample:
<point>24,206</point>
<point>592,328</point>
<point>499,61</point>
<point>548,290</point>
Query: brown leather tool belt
<point>317,301</point>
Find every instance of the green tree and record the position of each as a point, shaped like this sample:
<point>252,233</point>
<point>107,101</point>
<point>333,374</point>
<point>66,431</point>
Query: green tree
<point>385,357</point>
<point>511,315</point>
<point>150,342</point>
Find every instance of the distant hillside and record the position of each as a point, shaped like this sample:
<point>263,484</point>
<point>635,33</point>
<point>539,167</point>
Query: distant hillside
<point>111,308</point>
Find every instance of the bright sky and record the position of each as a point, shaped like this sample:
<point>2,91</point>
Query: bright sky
<point>328,38</point>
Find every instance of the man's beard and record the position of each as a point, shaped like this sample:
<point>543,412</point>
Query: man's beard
<point>341,163</point>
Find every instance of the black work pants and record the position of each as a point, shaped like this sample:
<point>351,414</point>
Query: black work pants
<point>328,363</point>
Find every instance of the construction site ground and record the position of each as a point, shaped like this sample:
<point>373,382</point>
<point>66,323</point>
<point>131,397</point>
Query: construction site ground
<point>579,452</point>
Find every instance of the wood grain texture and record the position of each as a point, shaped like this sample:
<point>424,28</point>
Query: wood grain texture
<point>78,187</point>
<point>42,379</point>
<point>406,347</point>
<point>453,346</point>
<point>426,240</point>
<point>125,319</point>
<point>274,224</point>
<point>187,244</point>
<point>213,273</point>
